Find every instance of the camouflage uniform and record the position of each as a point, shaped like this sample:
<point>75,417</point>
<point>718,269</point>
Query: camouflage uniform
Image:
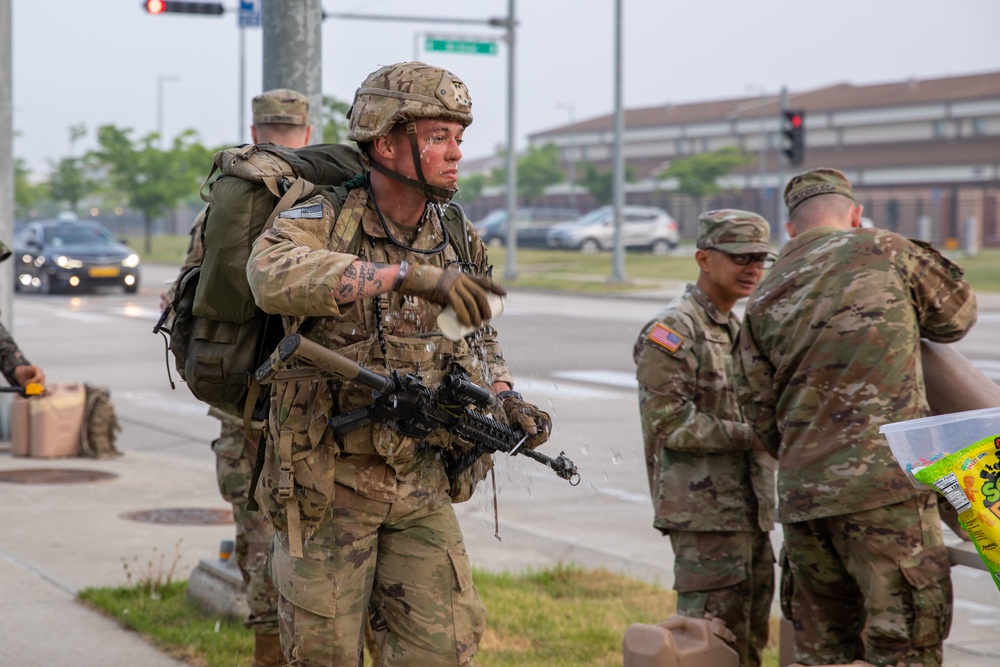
<point>364,521</point>
<point>830,351</point>
<point>710,493</point>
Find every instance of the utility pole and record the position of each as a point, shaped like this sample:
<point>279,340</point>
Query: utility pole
<point>571,161</point>
<point>510,273</point>
<point>292,52</point>
<point>780,214</point>
<point>6,157</point>
<point>160,80</point>
<point>618,260</point>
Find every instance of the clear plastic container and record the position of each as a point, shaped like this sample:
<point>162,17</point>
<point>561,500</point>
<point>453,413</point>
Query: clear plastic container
<point>918,442</point>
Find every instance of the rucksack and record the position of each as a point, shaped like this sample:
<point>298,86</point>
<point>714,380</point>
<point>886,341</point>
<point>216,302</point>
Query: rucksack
<point>218,336</point>
<point>100,424</point>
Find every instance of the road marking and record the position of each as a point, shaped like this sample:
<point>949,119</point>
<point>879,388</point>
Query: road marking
<point>600,376</point>
<point>564,390</point>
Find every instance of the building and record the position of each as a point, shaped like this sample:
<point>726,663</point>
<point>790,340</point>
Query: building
<point>923,154</point>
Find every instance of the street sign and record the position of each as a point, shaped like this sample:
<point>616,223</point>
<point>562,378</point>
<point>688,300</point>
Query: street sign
<point>249,14</point>
<point>448,45</point>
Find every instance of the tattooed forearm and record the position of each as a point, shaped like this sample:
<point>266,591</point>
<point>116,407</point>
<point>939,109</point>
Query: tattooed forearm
<point>363,279</point>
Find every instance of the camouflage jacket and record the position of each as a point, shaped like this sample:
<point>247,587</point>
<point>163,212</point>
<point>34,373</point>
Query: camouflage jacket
<point>702,474</point>
<point>293,270</point>
<point>10,355</point>
<point>830,351</point>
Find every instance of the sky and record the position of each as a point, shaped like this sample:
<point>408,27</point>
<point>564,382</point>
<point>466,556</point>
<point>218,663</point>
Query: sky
<point>99,62</point>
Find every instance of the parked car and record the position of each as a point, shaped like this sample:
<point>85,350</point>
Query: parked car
<point>531,225</point>
<point>56,255</point>
<point>644,227</point>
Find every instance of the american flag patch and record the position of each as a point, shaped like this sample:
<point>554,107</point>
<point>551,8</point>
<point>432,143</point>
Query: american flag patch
<point>667,337</point>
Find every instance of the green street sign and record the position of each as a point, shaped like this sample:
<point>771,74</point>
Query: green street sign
<point>461,46</point>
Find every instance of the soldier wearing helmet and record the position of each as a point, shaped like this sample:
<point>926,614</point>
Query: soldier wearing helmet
<point>366,535</point>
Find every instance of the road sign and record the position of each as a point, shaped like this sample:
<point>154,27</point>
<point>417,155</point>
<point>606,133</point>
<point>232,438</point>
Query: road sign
<point>249,13</point>
<point>448,45</point>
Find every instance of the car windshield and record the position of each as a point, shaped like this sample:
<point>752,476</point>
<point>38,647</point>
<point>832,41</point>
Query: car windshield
<point>63,235</point>
<point>495,218</point>
<point>595,217</point>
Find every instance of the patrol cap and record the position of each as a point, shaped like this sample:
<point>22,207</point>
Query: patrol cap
<point>281,105</point>
<point>734,231</point>
<point>821,181</point>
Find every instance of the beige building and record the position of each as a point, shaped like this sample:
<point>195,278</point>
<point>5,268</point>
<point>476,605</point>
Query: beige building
<point>923,154</point>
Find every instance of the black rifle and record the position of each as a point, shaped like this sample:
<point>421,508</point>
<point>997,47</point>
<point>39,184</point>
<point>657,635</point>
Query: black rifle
<point>407,406</point>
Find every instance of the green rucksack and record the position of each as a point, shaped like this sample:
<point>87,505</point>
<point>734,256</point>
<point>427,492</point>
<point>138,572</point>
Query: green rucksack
<point>218,335</point>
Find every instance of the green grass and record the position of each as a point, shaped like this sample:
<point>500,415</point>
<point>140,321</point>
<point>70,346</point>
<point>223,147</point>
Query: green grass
<point>560,617</point>
<point>571,271</point>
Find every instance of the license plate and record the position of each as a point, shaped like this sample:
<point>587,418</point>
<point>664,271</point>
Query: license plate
<point>103,272</point>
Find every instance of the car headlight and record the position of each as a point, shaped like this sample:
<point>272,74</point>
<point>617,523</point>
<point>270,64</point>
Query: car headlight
<point>131,261</point>
<point>67,263</point>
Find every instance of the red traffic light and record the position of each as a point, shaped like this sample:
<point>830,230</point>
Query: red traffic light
<point>172,7</point>
<point>796,120</point>
<point>155,6</point>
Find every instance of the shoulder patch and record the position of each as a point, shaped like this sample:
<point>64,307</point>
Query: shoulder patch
<point>666,337</point>
<point>311,211</point>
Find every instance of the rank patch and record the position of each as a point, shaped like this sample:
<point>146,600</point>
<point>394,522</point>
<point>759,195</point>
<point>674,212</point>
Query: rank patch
<point>667,337</point>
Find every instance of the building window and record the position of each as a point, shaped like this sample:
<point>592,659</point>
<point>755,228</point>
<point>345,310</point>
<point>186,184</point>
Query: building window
<point>978,127</point>
<point>940,129</point>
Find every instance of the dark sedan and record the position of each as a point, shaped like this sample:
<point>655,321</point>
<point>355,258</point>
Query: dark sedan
<point>71,255</point>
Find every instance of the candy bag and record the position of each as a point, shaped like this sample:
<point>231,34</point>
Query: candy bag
<point>970,480</point>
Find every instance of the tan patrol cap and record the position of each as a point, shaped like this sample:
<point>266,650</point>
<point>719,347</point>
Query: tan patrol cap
<point>281,105</point>
<point>734,231</point>
<point>822,181</point>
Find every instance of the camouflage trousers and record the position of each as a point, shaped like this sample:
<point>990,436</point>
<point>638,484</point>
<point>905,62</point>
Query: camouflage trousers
<point>234,461</point>
<point>872,586</point>
<point>401,565</point>
<point>731,576</point>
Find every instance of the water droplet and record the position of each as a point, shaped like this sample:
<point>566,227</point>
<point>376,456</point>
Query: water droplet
<point>616,458</point>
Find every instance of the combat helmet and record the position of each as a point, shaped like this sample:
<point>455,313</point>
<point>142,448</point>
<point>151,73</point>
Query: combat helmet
<point>403,93</point>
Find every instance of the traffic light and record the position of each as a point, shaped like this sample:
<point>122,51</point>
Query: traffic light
<point>793,132</point>
<point>168,6</point>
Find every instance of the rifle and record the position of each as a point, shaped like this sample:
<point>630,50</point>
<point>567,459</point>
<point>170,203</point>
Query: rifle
<point>407,406</point>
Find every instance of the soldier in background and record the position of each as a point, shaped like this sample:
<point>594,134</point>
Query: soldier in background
<point>13,365</point>
<point>711,482</point>
<point>830,351</point>
<point>280,117</point>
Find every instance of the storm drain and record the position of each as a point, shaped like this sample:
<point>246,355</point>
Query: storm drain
<point>53,476</point>
<point>182,516</point>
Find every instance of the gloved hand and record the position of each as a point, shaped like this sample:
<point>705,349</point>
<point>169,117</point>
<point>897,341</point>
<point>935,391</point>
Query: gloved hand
<point>536,423</point>
<point>450,287</point>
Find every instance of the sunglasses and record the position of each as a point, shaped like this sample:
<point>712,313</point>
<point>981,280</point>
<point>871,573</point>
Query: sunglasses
<point>761,259</point>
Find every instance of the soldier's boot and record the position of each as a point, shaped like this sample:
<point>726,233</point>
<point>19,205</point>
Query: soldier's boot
<point>267,651</point>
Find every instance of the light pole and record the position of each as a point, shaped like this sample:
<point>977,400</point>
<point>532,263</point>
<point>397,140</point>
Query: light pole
<point>160,80</point>
<point>762,126</point>
<point>571,166</point>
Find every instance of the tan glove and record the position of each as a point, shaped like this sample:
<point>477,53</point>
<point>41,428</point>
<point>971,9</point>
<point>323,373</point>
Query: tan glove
<point>450,287</point>
<point>536,423</point>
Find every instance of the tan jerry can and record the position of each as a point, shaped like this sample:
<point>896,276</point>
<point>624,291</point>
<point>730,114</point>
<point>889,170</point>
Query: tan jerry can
<point>48,426</point>
<point>680,641</point>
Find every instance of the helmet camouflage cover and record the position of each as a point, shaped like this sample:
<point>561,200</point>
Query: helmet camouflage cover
<point>404,92</point>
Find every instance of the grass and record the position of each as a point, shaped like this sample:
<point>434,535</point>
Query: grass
<point>560,617</point>
<point>571,271</point>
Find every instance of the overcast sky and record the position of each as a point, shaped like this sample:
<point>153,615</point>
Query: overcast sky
<point>97,62</point>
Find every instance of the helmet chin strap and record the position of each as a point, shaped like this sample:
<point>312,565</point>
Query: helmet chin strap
<point>434,193</point>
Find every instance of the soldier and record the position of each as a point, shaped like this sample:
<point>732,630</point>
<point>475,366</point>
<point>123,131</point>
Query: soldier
<point>14,366</point>
<point>280,117</point>
<point>365,526</point>
<point>711,482</point>
<point>830,351</point>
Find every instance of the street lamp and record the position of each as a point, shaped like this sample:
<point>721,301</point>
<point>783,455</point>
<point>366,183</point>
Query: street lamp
<point>571,167</point>
<point>762,125</point>
<point>160,80</point>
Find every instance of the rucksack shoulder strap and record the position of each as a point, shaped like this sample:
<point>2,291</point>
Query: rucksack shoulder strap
<point>455,222</point>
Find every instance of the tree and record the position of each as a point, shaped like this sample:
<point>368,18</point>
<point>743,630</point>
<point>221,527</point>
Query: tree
<point>334,120</point>
<point>26,194</point>
<point>537,169</point>
<point>600,183</point>
<point>470,187</point>
<point>697,175</point>
<point>68,182</point>
<point>147,178</point>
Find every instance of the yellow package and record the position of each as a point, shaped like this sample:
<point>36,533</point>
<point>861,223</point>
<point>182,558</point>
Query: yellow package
<point>968,479</point>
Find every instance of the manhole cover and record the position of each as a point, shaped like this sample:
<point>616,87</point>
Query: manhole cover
<point>53,476</point>
<point>182,516</point>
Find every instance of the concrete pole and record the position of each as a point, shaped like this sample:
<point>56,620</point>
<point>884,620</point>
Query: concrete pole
<point>780,214</point>
<point>510,263</point>
<point>292,52</point>
<point>6,159</point>
<point>242,130</point>
<point>618,259</point>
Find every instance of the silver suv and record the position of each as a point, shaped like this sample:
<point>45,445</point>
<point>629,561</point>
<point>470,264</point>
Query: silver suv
<point>644,227</point>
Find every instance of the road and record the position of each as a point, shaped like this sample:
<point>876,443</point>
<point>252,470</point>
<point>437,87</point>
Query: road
<point>571,355</point>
